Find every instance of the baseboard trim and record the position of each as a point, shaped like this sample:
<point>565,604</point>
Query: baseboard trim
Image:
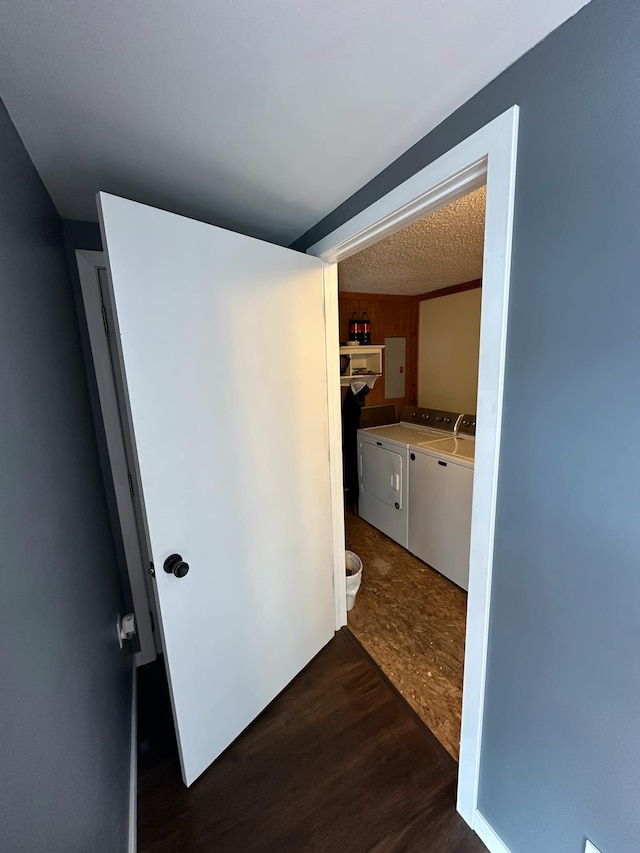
<point>488,835</point>
<point>132,846</point>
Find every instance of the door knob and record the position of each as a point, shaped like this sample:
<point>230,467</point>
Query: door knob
<point>175,565</point>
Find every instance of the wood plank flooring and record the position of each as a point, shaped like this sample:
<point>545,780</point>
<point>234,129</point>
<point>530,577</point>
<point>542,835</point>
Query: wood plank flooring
<point>336,763</point>
<point>411,620</point>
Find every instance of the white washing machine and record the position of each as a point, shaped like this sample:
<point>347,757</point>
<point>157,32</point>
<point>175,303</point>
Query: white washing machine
<point>383,467</point>
<point>439,505</point>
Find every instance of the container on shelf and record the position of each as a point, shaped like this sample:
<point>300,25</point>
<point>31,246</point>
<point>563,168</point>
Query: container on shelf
<point>354,328</point>
<point>365,329</point>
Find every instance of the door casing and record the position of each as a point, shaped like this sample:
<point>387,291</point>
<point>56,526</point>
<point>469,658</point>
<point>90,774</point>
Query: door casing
<point>110,411</point>
<point>488,156</point>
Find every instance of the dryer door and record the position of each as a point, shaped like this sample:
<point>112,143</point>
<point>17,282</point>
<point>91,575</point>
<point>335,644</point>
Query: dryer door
<point>381,473</point>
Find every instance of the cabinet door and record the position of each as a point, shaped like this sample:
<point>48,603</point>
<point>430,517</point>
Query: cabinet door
<point>381,474</point>
<point>440,496</point>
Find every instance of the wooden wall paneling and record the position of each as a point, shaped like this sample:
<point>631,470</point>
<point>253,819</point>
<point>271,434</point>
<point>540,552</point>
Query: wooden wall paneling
<point>391,316</point>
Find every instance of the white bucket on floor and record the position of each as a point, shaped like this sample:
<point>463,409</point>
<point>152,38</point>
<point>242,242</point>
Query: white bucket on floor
<point>353,564</point>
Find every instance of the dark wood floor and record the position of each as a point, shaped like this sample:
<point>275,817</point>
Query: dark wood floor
<point>337,762</point>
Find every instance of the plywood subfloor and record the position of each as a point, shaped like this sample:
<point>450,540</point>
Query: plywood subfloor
<point>336,763</point>
<point>411,620</point>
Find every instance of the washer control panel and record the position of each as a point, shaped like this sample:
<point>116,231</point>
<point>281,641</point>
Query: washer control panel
<point>435,418</point>
<point>467,425</point>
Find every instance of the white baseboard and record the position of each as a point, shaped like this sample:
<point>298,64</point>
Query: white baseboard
<point>133,768</point>
<point>488,835</point>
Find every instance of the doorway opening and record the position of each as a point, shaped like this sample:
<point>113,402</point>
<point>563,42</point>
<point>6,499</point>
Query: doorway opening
<point>488,156</point>
<point>408,470</point>
<point>141,249</point>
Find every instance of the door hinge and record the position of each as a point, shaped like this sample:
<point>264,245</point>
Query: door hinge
<point>105,322</point>
<point>130,479</point>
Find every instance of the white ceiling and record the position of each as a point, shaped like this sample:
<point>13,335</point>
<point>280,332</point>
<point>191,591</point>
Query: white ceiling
<point>445,248</point>
<point>260,114</point>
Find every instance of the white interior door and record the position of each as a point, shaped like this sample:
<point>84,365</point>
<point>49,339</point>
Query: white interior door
<point>222,342</point>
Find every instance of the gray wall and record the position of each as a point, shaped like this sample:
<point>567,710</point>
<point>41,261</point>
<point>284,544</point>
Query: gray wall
<point>65,698</point>
<point>561,755</point>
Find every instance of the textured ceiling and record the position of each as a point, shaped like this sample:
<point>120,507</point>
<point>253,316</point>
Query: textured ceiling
<point>445,248</point>
<point>261,115</point>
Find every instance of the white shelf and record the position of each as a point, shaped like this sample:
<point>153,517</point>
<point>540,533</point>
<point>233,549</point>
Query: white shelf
<point>369,378</point>
<point>364,357</point>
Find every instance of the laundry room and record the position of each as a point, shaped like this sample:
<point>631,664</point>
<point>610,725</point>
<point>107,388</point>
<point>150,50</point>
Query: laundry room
<point>410,308</point>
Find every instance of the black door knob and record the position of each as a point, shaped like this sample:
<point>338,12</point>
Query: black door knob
<point>175,565</point>
<point>413,457</point>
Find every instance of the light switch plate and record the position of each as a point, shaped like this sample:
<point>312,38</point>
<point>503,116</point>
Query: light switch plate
<point>591,848</point>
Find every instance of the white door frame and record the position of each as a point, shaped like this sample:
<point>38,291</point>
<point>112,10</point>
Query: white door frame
<point>490,154</point>
<point>122,471</point>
